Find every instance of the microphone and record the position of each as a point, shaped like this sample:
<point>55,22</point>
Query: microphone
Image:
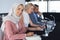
<point>54,20</point>
<point>47,18</point>
<point>53,17</point>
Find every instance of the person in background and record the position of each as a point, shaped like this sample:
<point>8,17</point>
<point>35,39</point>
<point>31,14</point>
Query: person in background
<point>28,10</point>
<point>12,27</point>
<point>25,17</point>
<point>36,16</point>
<point>36,10</point>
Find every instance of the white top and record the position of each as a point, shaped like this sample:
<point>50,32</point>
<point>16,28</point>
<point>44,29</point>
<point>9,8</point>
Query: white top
<point>26,18</point>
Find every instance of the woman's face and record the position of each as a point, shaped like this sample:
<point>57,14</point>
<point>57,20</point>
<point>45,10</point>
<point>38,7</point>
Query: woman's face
<point>30,10</point>
<point>19,10</point>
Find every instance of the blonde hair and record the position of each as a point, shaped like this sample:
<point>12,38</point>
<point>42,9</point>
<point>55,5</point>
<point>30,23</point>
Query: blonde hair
<point>21,4</point>
<point>27,6</point>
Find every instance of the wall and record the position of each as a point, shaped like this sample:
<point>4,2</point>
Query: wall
<point>5,5</point>
<point>54,6</point>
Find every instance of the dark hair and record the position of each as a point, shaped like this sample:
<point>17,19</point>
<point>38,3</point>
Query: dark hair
<point>36,5</point>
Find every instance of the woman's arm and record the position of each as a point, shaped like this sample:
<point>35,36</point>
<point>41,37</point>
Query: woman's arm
<point>9,32</point>
<point>21,24</point>
<point>34,25</point>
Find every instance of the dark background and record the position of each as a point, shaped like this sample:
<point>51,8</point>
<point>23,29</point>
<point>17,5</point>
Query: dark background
<point>55,34</point>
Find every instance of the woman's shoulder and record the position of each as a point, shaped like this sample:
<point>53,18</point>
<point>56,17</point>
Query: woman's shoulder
<point>8,22</point>
<point>25,13</point>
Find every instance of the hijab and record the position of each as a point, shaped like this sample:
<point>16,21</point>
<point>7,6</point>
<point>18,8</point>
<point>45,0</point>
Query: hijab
<point>11,16</point>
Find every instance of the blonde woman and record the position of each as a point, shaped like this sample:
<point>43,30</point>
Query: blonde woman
<point>28,10</point>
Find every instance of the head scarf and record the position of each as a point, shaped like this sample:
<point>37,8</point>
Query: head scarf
<point>11,16</point>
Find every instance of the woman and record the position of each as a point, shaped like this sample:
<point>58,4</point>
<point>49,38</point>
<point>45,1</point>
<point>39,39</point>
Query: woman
<point>12,26</point>
<point>28,10</point>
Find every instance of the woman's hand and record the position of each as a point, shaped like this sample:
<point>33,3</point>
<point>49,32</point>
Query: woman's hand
<point>30,34</point>
<point>39,29</point>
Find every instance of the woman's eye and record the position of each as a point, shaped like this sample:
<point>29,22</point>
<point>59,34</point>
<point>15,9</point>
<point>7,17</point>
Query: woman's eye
<point>18,8</point>
<point>22,9</point>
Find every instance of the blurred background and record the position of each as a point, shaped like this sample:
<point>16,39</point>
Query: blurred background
<point>47,7</point>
